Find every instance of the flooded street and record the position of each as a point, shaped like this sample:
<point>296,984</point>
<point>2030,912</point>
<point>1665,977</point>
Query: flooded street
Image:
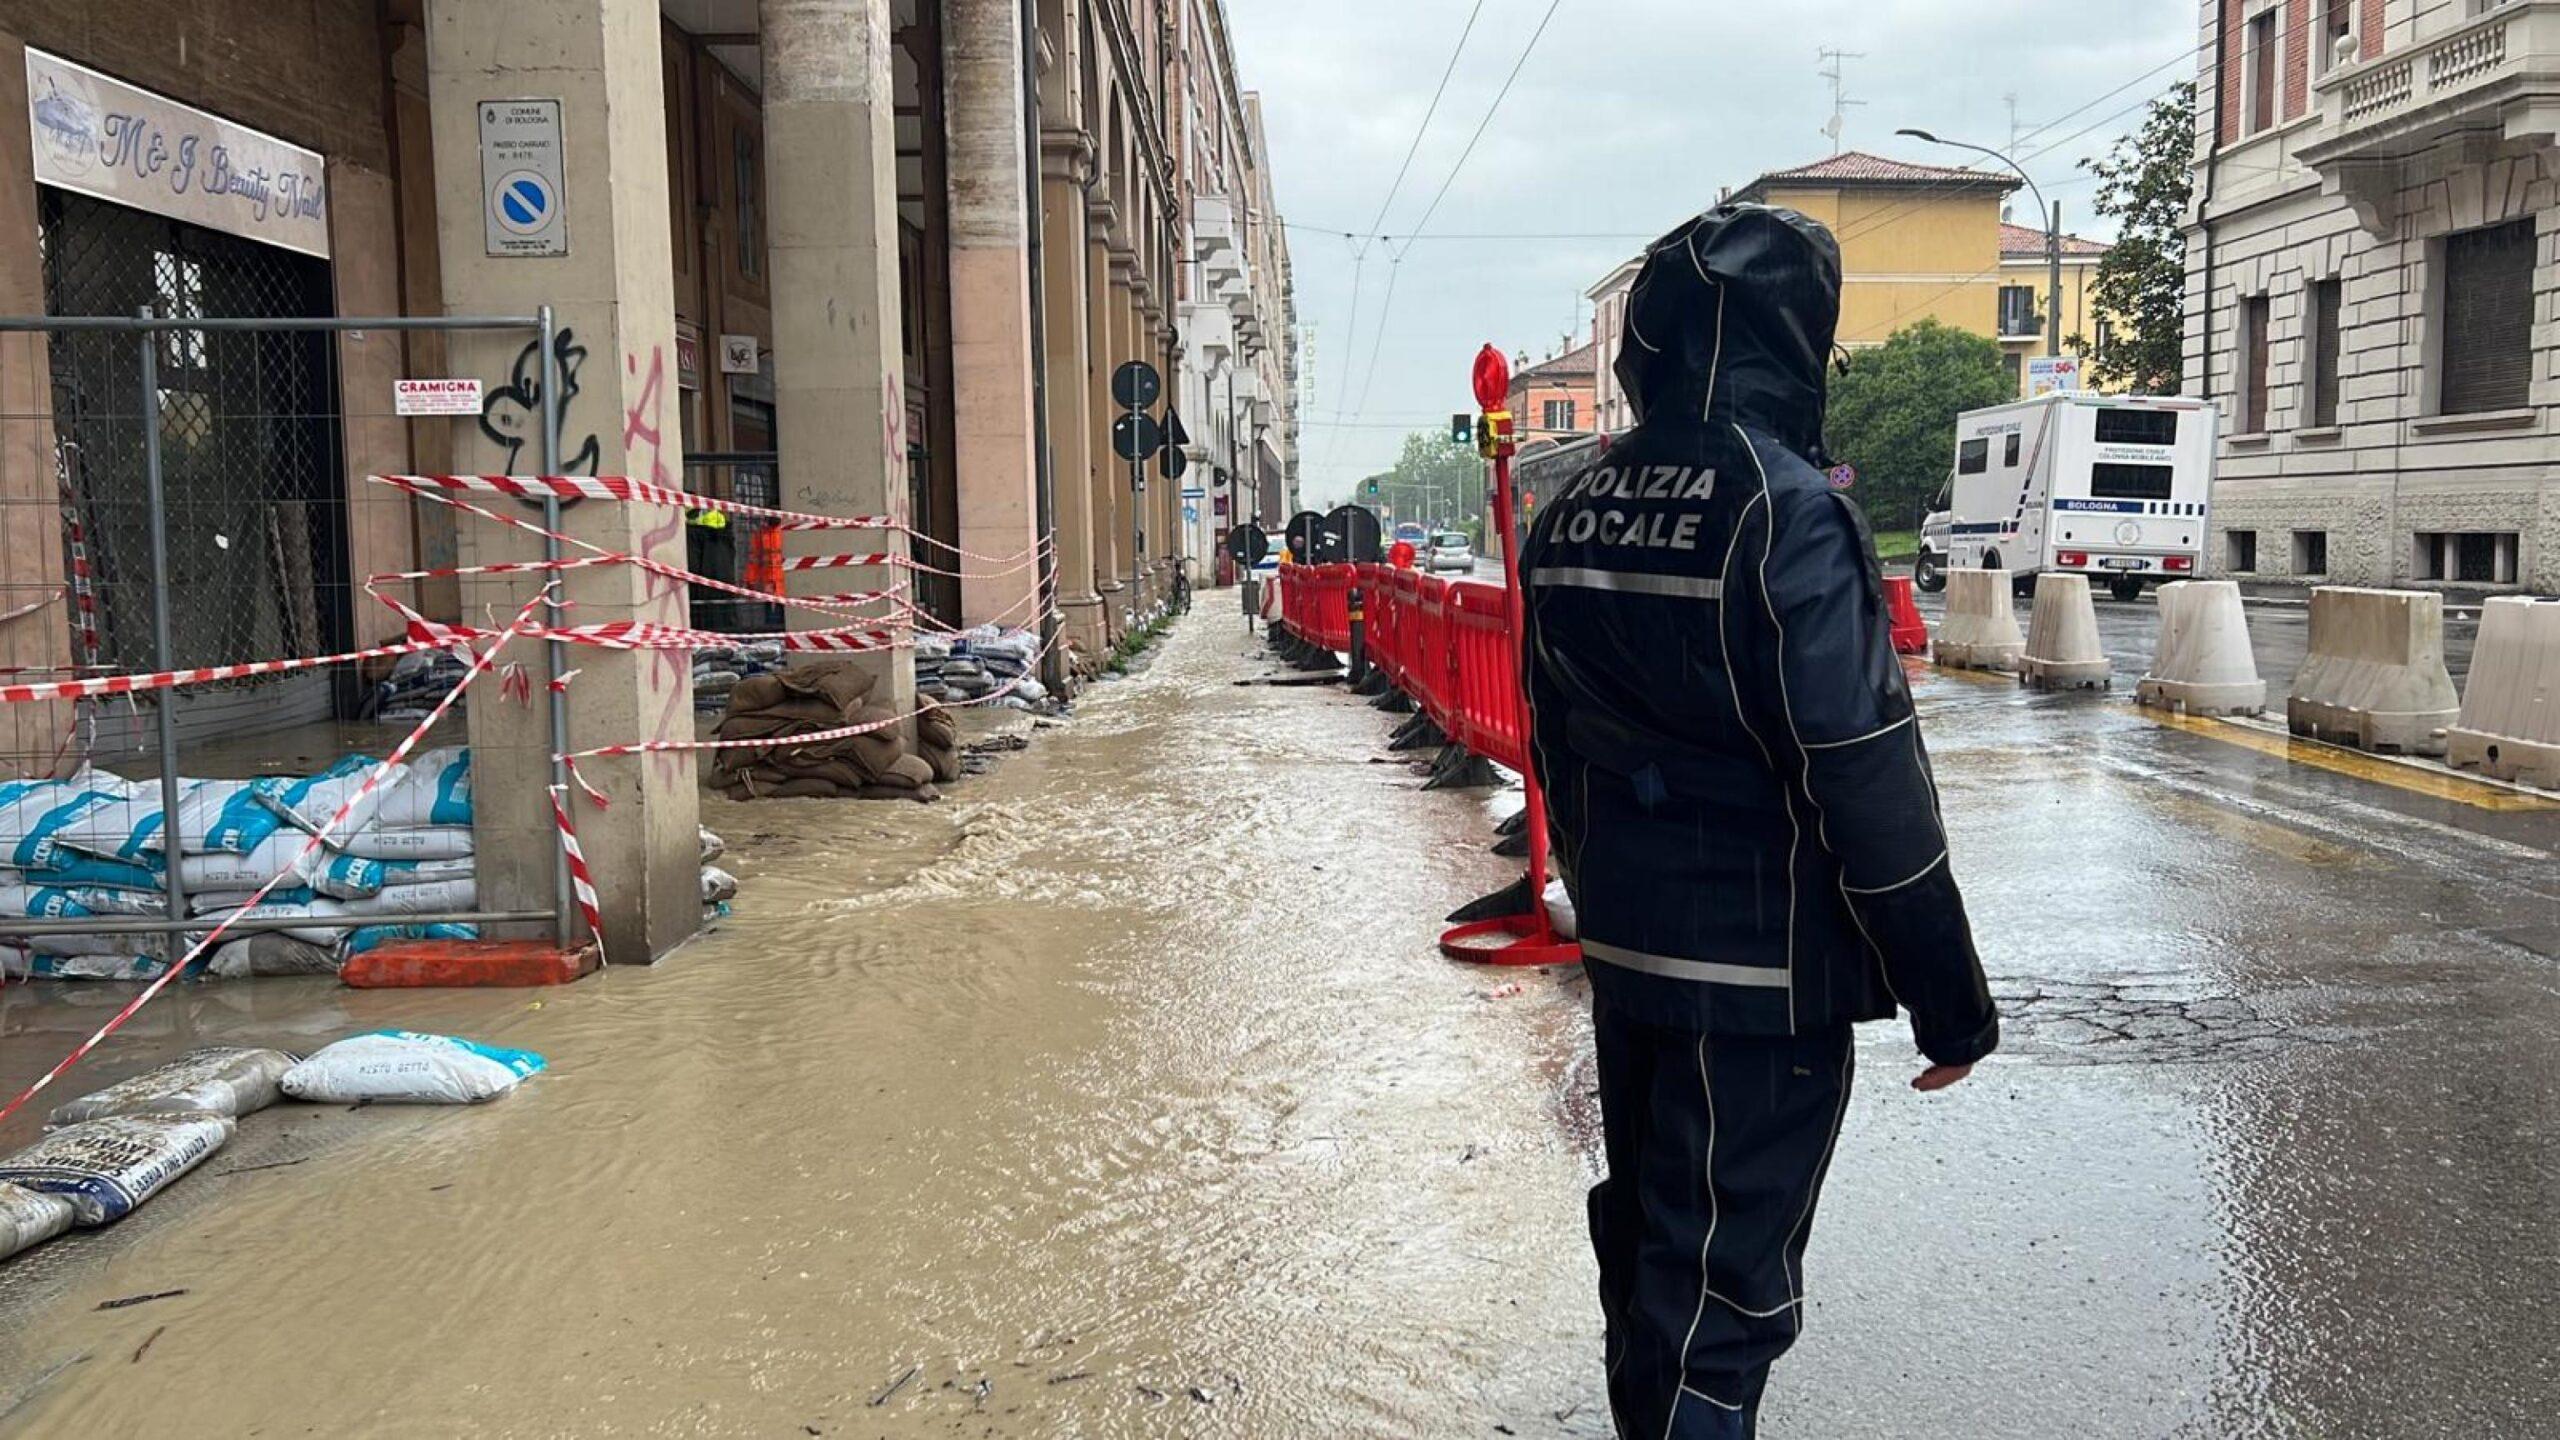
<point>1125,1094</point>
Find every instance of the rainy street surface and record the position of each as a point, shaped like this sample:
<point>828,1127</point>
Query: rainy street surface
<point>1125,1094</point>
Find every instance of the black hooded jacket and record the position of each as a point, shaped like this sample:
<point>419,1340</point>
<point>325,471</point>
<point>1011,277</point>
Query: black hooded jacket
<point>1740,800</point>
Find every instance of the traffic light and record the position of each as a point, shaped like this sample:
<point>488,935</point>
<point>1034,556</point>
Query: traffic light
<point>1373,487</point>
<point>1462,429</point>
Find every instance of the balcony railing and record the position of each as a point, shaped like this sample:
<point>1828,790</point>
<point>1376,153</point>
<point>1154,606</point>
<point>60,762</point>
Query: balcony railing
<point>2509,53</point>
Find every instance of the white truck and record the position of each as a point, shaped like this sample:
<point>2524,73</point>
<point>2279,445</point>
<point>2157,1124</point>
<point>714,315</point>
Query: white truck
<point>2115,487</point>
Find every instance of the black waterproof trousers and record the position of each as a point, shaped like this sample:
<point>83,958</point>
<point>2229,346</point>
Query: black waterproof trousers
<point>1717,1147</point>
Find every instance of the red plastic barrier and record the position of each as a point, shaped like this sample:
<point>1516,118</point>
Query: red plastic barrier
<point>1315,602</point>
<point>1910,632</point>
<point>1487,713</point>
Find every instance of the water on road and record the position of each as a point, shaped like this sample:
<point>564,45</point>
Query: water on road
<point>1126,1095</point>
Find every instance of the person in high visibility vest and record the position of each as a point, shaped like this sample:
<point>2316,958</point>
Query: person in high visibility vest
<point>1743,814</point>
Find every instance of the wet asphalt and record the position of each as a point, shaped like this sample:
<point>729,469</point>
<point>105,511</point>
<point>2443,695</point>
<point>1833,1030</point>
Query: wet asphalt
<point>2270,1149</point>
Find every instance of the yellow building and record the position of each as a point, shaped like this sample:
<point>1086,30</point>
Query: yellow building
<point>1916,241</point>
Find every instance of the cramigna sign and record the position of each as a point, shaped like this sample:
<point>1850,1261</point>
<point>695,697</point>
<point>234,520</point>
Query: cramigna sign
<point>99,136</point>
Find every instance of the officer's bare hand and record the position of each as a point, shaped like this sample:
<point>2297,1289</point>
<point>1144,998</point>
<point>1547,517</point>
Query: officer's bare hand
<point>1939,1077</point>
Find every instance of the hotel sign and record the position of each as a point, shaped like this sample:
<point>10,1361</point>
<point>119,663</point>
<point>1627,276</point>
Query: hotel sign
<point>99,136</point>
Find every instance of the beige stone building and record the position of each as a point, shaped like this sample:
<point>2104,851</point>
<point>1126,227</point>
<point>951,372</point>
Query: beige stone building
<point>2371,264</point>
<point>853,257</point>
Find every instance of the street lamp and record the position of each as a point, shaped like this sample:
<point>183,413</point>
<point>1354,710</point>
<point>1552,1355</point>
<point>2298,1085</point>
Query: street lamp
<point>2052,235</point>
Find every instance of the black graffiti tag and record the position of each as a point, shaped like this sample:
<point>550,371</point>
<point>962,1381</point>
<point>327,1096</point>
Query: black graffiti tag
<point>512,415</point>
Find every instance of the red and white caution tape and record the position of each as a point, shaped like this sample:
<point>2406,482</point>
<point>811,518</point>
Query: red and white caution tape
<point>582,881</point>
<point>636,492</point>
<point>202,675</point>
<point>480,665</point>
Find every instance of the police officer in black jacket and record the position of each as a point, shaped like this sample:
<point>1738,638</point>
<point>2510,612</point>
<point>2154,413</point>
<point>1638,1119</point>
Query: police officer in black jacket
<point>1742,811</point>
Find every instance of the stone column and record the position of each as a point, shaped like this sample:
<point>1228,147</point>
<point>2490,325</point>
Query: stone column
<point>1064,159</point>
<point>1109,477</point>
<point>613,297</point>
<point>31,526</point>
<point>1128,342</point>
<point>831,174</point>
<point>991,307</point>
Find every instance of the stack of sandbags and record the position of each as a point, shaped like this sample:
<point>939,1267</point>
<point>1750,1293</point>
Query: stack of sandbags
<point>938,742</point>
<point>98,845</point>
<point>812,699</point>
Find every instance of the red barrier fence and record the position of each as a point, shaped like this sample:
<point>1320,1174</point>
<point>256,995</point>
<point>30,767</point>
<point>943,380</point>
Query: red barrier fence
<point>1449,644</point>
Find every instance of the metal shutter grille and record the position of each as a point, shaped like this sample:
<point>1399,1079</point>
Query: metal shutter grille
<point>2488,319</point>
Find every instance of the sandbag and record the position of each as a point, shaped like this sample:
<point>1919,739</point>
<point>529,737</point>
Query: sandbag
<point>18,964</point>
<point>434,790</point>
<point>270,952</point>
<point>107,1167</point>
<point>344,877</point>
<point>222,1080</point>
<point>713,847</point>
<point>373,937</point>
<point>400,874</point>
<point>439,842</point>
<point>30,1217</point>
<point>401,1067</point>
<point>718,885</point>
<point>310,805</point>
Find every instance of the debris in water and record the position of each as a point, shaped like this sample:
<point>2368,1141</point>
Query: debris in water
<point>896,1385</point>
<point>130,1301</point>
<point>138,1350</point>
<point>269,1165</point>
<point>1203,1396</point>
<point>1076,1375</point>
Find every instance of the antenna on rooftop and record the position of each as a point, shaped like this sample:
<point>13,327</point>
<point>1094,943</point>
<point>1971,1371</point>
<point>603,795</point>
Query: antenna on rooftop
<point>1840,102</point>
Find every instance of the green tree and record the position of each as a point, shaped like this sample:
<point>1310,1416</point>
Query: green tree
<point>1434,482</point>
<point>1893,416</point>
<point>2144,184</point>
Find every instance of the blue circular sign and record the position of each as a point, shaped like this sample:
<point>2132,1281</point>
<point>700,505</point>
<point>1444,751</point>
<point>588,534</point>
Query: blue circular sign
<point>524,203</point>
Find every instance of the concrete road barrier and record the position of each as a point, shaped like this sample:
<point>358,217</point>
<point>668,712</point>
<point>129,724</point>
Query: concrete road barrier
<point>1980,630</point>
<point>2510,721</point>
<point>2062,637</point>
<point>2375,676</point>
<point>2203,664</point>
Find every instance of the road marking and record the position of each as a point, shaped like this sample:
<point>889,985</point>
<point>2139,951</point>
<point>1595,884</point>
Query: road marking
<point>2339,760</point>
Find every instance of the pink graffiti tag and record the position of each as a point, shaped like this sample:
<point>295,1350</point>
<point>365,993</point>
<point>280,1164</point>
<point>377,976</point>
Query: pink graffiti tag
<point>644,438</point>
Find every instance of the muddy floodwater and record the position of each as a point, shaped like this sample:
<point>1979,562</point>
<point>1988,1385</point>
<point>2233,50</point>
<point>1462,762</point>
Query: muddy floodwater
<point>1124,1094</point>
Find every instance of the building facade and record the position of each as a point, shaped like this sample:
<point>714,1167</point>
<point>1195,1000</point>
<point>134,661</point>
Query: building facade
<point>851,257</point>
<point>1556,398</point>
<point>2026,285</point>
<point>2373,250</point>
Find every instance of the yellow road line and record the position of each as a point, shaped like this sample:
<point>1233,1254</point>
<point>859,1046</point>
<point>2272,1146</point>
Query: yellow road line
<point>2337,759</point>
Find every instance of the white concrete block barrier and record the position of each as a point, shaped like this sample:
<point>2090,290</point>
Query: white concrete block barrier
<point>1980,631</point>
<point>2510,722</point>
<point>2203,664</point>
<point>2375,676</point>
<point>2062,637</point>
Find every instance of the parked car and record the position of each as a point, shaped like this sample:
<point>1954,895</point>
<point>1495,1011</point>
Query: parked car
<point>1451,551</point>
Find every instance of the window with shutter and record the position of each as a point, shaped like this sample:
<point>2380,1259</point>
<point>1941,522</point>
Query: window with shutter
<point>2487,359</point>
<point>2253,365</point>
<point>2327,297</point>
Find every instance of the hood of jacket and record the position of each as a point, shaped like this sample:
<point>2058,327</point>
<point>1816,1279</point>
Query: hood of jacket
<point>1731,318</point>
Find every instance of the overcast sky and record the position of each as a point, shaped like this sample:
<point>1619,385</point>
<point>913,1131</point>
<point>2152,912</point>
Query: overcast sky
<point>1628,117</point>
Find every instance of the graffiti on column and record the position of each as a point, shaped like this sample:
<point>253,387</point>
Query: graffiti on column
<point>512,415</point>
<point>644,453</point>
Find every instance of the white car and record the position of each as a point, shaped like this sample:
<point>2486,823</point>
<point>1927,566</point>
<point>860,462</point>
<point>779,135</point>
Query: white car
<point>1450,551</point>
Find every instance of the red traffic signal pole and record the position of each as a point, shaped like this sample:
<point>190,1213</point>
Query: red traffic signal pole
<point>1529,939</point>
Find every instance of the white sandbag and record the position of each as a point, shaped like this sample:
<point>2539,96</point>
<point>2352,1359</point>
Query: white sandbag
<point>30,1217</point>
<point>460,892</point>
<point>18,964</point>
<point>399,874</point>
<point>401,1067</point>
<point>713,847</point>
<point>40,902</point>
<point>101,900</point>
<point>50,862</point>
<point>107,1167</point>
<point>1560,916</point>
<point>270,953</point>
<point>314,910</point>
<point>438,842</point>
<point>93,811</point>
<point>228,1080</point>
<point>330,873</point>
<point>718,885</point>
<point>434,790</point>
<point>311,804</point>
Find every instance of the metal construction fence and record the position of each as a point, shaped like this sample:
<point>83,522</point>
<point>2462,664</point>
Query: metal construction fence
<point>183,488</point>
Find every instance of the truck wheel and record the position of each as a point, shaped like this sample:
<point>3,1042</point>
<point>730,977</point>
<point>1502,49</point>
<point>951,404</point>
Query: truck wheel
<point>2125,588</point>
<point>1991,560</point>
<point>1928,574</point>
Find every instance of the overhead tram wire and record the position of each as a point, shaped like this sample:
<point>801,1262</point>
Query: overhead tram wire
<point>1360,247</point>
<point>1378,341</point>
